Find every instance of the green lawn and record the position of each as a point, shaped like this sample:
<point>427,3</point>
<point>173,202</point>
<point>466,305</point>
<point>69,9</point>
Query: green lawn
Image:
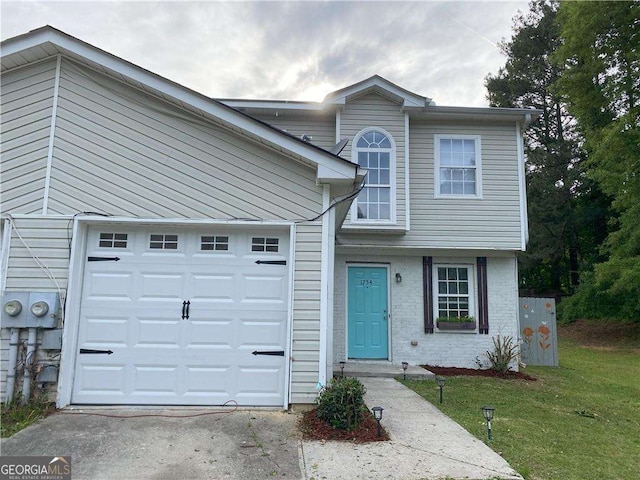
<point>579,421</point>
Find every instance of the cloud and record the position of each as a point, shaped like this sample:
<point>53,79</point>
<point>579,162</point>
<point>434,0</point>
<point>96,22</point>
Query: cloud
<point>291,50</point>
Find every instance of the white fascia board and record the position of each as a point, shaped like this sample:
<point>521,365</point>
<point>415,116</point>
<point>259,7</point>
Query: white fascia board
<point>336,168</point>
<point>523,115</point>
<point>524,218</point>
<point>271,104</point>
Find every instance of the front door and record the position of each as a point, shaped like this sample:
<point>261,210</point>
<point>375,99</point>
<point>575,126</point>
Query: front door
<point>368,319</point>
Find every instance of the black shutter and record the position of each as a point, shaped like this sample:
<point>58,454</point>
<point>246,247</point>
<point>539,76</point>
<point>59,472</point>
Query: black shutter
<point>427,294</point>
<point>483,304</point>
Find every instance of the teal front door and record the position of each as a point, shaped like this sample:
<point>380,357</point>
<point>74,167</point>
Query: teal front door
<point>368,319</point>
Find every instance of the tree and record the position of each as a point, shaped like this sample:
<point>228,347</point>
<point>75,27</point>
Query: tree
<point>600,61</point>
<point>562,203</point>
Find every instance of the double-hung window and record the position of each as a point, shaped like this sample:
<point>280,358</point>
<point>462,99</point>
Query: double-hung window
<point>374,150</point>
<point>458,166</point>
<point>453,291</point>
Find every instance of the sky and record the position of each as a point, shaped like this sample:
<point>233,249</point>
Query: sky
<point>296,50</point>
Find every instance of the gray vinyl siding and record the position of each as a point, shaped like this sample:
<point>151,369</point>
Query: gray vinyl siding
<point>26,106</point>
<point>492,222</point>
<point>122,152</point>
<point>375,111</point>
<point>319,125</point>
<point>306,313</point>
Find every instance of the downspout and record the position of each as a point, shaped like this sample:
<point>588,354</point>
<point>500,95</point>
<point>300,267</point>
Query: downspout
<point>26,378</point>
<point>13,361</point>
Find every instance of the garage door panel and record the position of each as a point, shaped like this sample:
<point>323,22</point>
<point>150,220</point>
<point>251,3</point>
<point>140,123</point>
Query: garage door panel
<point>109,286</point>
<point>156,379</point>
<point>109,331</point>
<point>102,378</point>
<point>209,288</point>
<point>161,286</point>
<point>157,332</point>
<point>214,334</point>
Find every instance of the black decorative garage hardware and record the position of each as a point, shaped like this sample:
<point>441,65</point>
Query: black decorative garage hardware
<point>103,259</point>
<point>88,350</point>
<point>276,353</point>
<point>185,310</point>
<point>271,262</point>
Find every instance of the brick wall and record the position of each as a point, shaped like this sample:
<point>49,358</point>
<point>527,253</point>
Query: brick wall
<point>406,307</point>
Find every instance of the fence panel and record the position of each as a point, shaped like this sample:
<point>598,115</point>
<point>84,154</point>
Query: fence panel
<point>538,332</point>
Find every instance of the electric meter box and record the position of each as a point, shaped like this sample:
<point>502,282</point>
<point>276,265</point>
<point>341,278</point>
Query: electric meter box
<point>30,309</point>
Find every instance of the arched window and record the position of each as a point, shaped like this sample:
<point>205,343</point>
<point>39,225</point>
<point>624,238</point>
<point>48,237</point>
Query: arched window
<point>374,149</point>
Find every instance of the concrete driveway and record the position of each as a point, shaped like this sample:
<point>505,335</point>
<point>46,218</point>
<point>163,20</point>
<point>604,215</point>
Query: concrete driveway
<point>242,445</point>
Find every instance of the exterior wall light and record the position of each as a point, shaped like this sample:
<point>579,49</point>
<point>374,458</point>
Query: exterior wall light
<point>487,413</point>
<point>405,365</point>
<point>440,381</point>
<point>342,364</point>
<point>398,278</point>
<point>40,309</point>
<point>377,414</point>
<point>12,308</point>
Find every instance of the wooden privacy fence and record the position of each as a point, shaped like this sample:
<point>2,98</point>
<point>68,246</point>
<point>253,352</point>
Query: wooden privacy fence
<point>538,333</point>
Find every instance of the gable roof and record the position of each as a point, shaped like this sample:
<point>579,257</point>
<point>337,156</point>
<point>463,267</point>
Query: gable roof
<point>380,86</point>
<point>47,42</point>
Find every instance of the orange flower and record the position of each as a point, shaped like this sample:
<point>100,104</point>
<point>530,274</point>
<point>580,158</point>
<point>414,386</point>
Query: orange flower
<point>544,331</point>
<point>527,331</point>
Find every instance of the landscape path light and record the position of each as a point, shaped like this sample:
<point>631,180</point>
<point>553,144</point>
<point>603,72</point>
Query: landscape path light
<point>377,414</point>
<point>405,365</point>
<point>342,364</point>
<point>440,381</point>
<point>487,413</point>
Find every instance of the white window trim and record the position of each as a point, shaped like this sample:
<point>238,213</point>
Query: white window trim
<point>436,162</point>
<point>471,273</point>
<point>392,180</point>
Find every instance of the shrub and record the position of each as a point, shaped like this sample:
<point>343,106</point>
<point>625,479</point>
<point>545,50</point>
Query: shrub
<point>341,403</point>
<point>504,352</point>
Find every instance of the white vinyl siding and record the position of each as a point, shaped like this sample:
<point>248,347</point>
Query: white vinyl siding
<point>306,313</point>
<point>371,111</point>
<point>320,126</point>
<point>27,103</point>
<point>121,152</point>
<point>492,222</point>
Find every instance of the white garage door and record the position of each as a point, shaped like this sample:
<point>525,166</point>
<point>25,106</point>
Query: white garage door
<point>192,317</point>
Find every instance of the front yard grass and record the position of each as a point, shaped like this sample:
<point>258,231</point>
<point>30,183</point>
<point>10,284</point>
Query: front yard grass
<point>578,421</point>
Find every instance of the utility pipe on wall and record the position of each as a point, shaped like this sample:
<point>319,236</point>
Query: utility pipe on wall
<point>13,361</point>
<point>26,378</point>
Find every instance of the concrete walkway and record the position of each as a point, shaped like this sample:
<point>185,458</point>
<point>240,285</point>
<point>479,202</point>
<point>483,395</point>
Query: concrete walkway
<point>425,444</point>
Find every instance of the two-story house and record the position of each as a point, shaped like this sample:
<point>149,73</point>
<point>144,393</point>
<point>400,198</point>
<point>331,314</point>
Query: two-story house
<point>197,251</point>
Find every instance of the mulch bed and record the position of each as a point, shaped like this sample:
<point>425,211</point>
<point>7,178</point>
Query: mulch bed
<point>314,428</point>
<point>458,372</point>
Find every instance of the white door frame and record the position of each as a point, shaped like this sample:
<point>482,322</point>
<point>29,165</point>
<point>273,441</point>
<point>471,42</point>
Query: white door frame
<point>76,275</point>
<point>387,266</point>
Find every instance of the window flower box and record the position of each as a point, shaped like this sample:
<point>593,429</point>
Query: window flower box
<point>456,323</point>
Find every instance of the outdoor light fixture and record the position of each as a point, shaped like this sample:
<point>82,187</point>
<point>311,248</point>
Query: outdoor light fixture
<point>377,414</point>
<point>40,309</point>
<point>398,278</point>
<point>342,364</point>
<point>13,308</point>
<point>405,365</point>
<point>487,413</point>
<point>440,381</point>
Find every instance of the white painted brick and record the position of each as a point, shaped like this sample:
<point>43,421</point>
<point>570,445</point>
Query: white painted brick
<point>407,321</point>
